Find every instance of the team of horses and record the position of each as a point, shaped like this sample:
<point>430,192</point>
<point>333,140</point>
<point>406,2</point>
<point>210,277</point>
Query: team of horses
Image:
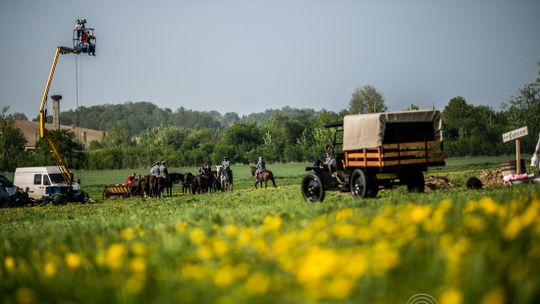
<point>212,181</point>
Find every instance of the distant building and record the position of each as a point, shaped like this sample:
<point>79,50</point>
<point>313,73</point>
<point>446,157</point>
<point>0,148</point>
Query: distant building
<point>30,130</point>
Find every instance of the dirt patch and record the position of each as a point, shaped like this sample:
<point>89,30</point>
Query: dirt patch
<point>491,178</point>
<point>434,182</point>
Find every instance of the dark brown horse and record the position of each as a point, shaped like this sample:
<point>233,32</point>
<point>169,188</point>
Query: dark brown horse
<point>153,186</point>
<point>168,183</point>
<point>187,182</point>
<point>143,187</point>
<point>264,176</point>
<point>203,183</point>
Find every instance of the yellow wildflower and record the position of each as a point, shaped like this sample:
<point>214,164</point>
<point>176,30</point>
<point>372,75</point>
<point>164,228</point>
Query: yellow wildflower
<point>194,271</point>
<point>344,214</point>
<point>271,223</point>
<point>181,227</point>
<point>139,248</point>
<point>128,234</point>
<point>488,205</point>
<point>383,257</point>
<point>220,247</point>
<point>223,277</point>
<point>114,257</point>
<point>137,265</point>
<point>9,262</point>
<point>451,296</point>
<point>197,236</point>
<point>494,296</point>
<point>49,269</point>
<point>317,263</point>
<point>340,288</point>
<point>73,260</point>
<point>257,283</point>
<point>344,231</point>
<point>231,230</point>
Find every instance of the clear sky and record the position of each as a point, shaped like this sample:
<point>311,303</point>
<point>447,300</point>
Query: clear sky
<point>247,56</point>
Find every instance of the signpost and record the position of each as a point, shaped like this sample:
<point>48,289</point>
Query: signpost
<point>516,135</point>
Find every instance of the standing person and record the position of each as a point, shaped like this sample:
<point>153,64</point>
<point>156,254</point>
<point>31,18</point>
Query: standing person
<point>79,27</point>
<point>536,155</point>
<point>261,166</point>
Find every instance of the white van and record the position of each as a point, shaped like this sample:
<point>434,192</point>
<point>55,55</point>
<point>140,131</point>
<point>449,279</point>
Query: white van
<point>43,182</point>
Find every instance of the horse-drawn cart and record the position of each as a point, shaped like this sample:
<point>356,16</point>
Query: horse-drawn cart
<point>116,190</point>
<point>378,150</point>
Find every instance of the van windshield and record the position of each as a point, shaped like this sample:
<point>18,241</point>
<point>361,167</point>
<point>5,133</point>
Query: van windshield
<point>56,178</point>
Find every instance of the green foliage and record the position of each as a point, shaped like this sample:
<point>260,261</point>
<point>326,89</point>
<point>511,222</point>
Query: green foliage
<point>366,100</point>
<point>68,146</point>
<point>12,142</point>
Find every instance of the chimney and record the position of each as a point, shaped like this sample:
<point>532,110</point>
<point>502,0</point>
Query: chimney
<point>56,111</point>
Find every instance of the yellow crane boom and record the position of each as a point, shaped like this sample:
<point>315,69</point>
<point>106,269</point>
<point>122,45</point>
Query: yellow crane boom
<point>43,133</point>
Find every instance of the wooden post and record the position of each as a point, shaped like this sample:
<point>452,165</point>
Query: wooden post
<point>518,157</point>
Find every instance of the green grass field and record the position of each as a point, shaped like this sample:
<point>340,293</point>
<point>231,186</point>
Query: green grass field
<point>269,246</point>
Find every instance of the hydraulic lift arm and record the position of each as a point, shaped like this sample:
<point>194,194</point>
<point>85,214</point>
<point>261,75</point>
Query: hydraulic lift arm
<point>43,133</point>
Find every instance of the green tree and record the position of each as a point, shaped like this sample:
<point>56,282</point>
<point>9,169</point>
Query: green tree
<point>524,110</point>
<point>117,136</point>
<point>12,142</point>
<point>366,100</point>
<point>412,107</point>
<point>68,146</point>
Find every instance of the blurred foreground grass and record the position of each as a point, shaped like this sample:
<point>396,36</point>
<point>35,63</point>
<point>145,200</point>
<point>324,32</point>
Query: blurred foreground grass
<point>269,246</point>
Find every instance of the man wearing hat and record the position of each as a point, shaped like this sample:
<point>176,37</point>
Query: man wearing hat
<point>261,166</point>
<point>226,165</point>
<point>155,169</point>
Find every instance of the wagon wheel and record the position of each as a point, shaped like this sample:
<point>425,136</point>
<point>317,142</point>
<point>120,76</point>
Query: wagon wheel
<point>415,182</point>
<point>359,184</point>
<point>312,188</point>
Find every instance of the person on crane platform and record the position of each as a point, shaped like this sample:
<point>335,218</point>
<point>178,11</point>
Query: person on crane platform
<point>79,27</point>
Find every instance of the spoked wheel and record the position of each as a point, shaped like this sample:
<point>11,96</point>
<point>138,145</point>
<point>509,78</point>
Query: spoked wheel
<point>415,182</point>
<point>359,184</point>
<point>312,188</point>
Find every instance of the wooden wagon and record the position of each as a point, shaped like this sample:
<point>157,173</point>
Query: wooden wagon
<point>116,190</point>
<point>378,150</point>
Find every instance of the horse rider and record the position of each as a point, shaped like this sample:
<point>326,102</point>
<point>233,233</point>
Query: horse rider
<point>261,166</point>
<point>204,169</point>
<point>155,169</point>
<point>163,171</point>
<point>226,165</point>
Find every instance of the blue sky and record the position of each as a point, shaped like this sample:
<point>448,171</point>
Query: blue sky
<point>248,56</point>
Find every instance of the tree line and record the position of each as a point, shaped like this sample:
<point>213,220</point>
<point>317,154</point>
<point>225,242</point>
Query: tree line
<point>139,133</point>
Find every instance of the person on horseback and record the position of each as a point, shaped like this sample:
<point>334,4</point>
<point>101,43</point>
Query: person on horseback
<point>261,166</point>
<point>155,169</point>
<point>204,169</point>
<point>163,171</point>
<point>226,165</point>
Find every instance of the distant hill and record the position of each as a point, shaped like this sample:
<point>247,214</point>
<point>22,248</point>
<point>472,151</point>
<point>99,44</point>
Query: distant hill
<point>30,131</point>
<point>142,115</point>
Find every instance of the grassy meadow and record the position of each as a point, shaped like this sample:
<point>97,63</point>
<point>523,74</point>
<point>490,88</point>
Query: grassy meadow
<point>269,246</point>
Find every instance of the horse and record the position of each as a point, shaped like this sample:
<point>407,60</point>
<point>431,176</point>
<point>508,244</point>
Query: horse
<point>264,176</point>
<point>153,186</point>
<point>187,182</point>
<point>143,187</point>
<point>225,179</point>
<point>171,179</point>
<point>204,182</point>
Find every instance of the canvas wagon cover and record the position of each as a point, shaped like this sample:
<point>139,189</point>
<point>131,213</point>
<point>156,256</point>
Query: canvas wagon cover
<point>367,130</point>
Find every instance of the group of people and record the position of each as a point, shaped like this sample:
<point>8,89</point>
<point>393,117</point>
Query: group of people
<point>226,166</point>
<point>86,42</point>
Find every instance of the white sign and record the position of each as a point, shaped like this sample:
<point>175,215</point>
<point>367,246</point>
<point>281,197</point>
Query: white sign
<point>517,133</point>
